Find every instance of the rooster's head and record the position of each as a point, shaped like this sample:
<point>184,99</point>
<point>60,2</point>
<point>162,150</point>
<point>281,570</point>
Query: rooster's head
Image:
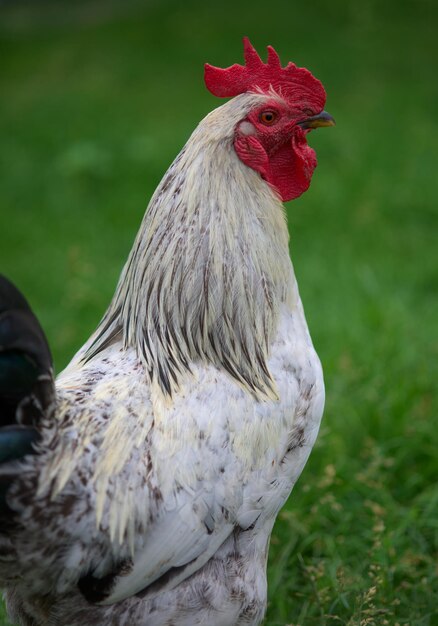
<point>271,138</point>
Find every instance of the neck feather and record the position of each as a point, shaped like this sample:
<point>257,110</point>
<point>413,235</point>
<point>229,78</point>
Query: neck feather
<point>208,271</point>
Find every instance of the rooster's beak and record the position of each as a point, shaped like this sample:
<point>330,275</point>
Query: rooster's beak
<point>322,119</point>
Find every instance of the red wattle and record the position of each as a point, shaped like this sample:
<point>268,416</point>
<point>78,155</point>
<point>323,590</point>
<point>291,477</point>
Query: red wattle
<point>291,168</point>
<point>288,169</point>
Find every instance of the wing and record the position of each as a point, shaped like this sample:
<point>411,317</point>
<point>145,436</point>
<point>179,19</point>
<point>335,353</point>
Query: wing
<point>176,548</point>
<point>167,483</point>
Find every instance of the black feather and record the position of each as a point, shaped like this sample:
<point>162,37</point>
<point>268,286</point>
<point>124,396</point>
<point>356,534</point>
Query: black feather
<point>27,390</point>
<point>16,442</point>
<point>26,371</point>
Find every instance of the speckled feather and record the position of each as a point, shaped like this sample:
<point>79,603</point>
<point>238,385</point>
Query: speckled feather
<point>183,424</point>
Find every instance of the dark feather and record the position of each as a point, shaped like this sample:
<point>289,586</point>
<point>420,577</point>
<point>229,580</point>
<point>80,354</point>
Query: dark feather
<point>27,391</point>
<point>26,373</point>
<point>16,442</point>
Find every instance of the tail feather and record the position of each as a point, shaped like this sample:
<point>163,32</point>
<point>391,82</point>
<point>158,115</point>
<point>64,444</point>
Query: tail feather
<point>27,390</point>
<point>16,442</point>
<point>26,374</point>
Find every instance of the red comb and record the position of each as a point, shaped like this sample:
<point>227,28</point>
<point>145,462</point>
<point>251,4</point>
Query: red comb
<point>288,81</point>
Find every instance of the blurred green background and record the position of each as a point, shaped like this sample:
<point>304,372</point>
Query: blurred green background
<point>96,98</point>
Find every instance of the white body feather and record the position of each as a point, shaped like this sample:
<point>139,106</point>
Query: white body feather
<point>172,455</point>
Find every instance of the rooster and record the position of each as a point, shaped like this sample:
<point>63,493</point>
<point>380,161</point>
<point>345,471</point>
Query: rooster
<point>141,488</point>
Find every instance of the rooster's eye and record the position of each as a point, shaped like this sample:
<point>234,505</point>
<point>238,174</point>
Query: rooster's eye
<point>268,117</point>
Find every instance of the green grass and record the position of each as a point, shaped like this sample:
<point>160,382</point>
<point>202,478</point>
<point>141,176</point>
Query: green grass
<point>97,98</point>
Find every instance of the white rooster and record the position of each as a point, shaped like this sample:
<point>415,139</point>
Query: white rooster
<point>142,488</point>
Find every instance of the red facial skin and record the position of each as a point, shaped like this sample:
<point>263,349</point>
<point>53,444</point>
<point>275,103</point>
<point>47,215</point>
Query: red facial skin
<point>278,150</point>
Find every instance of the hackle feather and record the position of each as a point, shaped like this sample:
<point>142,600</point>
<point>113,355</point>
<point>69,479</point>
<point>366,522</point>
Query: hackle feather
<point>209,267</point>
